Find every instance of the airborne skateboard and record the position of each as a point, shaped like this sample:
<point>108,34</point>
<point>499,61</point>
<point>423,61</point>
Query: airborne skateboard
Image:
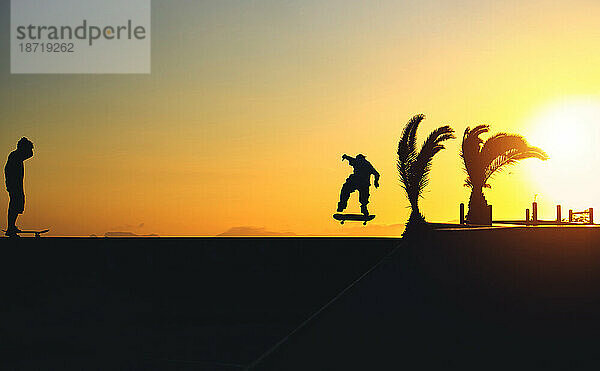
<point>353,217</point>
<point>35,233</point>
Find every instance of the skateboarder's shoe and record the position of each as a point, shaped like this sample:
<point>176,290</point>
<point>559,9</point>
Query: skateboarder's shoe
<point>363,209</point>
<point>341,207</point>
<point>12,232</point>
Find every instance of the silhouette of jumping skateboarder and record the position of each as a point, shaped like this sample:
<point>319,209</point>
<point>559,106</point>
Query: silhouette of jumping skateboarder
<point>13,175</point>
<point>359,180</point>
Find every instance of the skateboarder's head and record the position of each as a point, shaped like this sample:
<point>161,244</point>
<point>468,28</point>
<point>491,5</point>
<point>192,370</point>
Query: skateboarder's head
<point>360,156</point>
<point>25,146</point>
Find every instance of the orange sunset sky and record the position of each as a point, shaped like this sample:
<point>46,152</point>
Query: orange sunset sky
<point>250,105</point>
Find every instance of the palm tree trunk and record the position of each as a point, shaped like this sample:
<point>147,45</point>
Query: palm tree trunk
<point>478,208</point>
<point>416,217</point>
<point>416,221</point>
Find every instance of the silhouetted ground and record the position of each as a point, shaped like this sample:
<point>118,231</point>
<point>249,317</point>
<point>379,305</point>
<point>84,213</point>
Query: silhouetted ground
<point>502,298</point>
<point>168,304</point>
<point>509,298</point>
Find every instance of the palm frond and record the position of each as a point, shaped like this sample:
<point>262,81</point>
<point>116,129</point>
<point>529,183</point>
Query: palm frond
<point>412,138</point>
<point>413,167</point>
<point>407,151</point>
<point>471,146</point>
<point>431,146</point>
<point>533,152</point>
<point>406,146</point>
<point>500,144</point>
<point>505,149</point>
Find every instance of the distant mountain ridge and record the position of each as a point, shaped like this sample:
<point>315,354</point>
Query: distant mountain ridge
<point>249,231</point>
<point>348,230</point>
<point>128,234</point>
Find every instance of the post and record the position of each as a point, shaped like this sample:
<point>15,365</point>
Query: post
<point>534,212</point>
<point>527,216</point>
<point>490,214</point>
<point>462,213</point>
<point>591,215</point>
<point>558,217</point>
<point>570,216</point>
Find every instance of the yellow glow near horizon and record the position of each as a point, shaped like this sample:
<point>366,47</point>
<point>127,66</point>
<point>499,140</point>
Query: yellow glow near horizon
<point>569,132</point>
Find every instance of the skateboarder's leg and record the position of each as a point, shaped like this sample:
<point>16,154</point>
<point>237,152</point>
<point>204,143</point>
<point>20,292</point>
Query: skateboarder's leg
<point>11,229</point>
<point>363,197</point>
<point>15,207</point>
<point>12,219</point>
<point>347,188</point>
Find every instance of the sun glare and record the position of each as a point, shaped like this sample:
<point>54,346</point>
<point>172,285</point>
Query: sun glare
<point>569,132</point>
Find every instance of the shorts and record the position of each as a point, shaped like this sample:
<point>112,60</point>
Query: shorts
<point>17,202</point>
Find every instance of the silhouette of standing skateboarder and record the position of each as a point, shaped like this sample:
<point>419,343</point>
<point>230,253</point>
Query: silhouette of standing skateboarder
<point>13,175</point>
<point>359,181</point>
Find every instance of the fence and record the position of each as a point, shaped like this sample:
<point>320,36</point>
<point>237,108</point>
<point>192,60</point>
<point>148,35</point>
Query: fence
<point>575,217</point>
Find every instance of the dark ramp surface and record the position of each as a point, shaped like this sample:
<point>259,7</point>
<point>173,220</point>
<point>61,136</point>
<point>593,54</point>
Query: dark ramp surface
<point>166,303</point>
<point>516,298</point>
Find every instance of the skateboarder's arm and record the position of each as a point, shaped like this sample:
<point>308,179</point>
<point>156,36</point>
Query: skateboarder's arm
<point>376,175</point>
<point>7,177</point>
<point>349,158</point>
<point>11,177</point>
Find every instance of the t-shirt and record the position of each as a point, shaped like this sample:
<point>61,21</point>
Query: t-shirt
<point>14,172</point>
<point>362,169</point>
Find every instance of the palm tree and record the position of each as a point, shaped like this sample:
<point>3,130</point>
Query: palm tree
<point>484,159</point>
<point>414,166</point>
